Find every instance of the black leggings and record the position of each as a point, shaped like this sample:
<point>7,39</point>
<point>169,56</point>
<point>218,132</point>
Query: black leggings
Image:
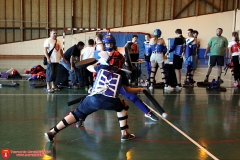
<point>236,64</point>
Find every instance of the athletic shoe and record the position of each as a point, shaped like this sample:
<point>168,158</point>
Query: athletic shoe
<point>127,137</point>
<point>80,124</point>
<point>235,84</point>
<point>168,88</point>
<point>49,136</point>
<point>220,81</point>
<point>178,87</point>
<point>152,116</point>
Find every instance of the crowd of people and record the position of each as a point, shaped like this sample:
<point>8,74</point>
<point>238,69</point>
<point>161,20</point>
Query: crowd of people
<point>185,55</point>
<point>186,51</point>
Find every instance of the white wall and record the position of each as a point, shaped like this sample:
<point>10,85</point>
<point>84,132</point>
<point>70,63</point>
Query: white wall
<point>206,26</point>
<point>238,20</point>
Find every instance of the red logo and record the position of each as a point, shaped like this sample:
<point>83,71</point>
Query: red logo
<point>6,153</point>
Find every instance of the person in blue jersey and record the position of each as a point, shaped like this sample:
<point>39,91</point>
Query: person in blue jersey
<point>157,50</point>
<point>179,47</point>
<point>190,55</point>
<point>147,55</point>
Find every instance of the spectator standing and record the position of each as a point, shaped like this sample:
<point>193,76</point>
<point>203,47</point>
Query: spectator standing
<point>53,60</point>
<point>88,52</point>
<point>234,51</point>
<point>179,47</point>
<point>72,55</point>
<point>217,45</point>
<point>147,55</point>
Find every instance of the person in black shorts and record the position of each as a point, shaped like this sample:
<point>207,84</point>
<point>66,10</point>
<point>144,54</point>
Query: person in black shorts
<point>178,47</point>
<point>218,46</point>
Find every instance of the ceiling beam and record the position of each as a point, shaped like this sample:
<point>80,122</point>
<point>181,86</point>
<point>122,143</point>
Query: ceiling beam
<point>172,10</point>
<point>147,11</point>
<point>98,11</point>
<point>211,4</point>
<point>188,4</point>
<point>122,24</point>
<point>197,8</point>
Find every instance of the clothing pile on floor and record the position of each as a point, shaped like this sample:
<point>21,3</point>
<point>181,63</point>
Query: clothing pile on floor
<point>37,72</point>
<point>12,73</point>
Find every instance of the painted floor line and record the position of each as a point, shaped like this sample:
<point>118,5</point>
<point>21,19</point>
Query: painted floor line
<point>185,135</point>
<point>210,94</point>
<point>40,94</point>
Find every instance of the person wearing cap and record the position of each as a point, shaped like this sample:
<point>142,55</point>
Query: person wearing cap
<point>157,50</point>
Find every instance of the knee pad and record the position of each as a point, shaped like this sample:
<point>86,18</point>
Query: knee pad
<point>65,122</point>
<point>153,68</point>
<point>81,114</point>
<point>55,129</point>
<point>123,118</point>
<point>163,66</point>
<point>189,67</point>
<point>126,108</point>
<point>152,79</point>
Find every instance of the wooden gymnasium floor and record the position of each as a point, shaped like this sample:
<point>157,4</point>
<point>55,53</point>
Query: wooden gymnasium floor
<point>201,125</point>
